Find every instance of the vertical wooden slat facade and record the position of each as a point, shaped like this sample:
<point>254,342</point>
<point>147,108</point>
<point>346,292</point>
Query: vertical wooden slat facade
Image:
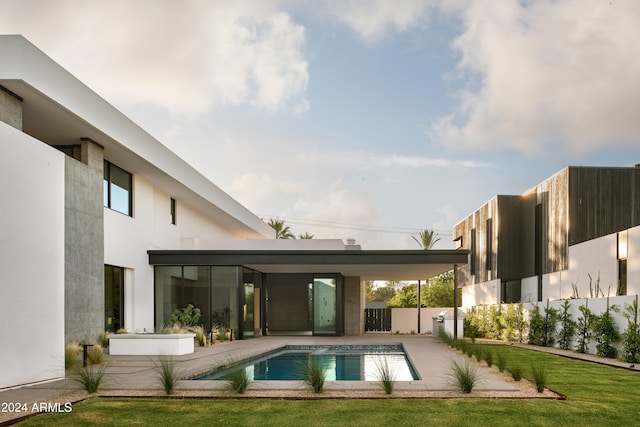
<point>603,201</point>
<point>531,233</point>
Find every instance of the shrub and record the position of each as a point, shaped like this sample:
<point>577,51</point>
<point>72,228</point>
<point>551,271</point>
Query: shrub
<point>89,378</point>
<point>72,352</point>
<point>539,376</point>
<point>488,357</point>
<point>631,336</point>
<point>201,335</point>
<point>104,340</point>
<point>95,355</point>
<point>584,329</point>
<point>314,375</point>
<point>516,371</point>
<point>385,375</point>
<point>188,316</point>
<point>536,326</point>
<point>168,373</point>
<point>501,360</point>
<point>238,380</point>
<point>465,376</point>
<point>567,327</point>
<point>605,333</point>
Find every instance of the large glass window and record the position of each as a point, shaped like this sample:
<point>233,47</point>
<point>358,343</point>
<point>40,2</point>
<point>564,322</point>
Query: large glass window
<point>117,189</point>
<point>214,290</point>
<point>113,301</point>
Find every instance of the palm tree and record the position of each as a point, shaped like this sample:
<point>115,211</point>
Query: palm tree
<point>282,231</point>
<point>306,235</point>
<point>428,238</point>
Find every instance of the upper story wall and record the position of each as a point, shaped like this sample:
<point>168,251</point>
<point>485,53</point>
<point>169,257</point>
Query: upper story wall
<point>602,201</point>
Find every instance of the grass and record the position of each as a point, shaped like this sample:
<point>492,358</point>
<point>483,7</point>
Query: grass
<point>168,373</point>
<point>597,395</point>
<point>89,378</point>
<point>464,375</point>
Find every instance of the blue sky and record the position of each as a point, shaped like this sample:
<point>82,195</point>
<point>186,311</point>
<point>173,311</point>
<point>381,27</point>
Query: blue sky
<point>365,119</point>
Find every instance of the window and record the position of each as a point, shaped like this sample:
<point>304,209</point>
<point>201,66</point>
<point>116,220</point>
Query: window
<point>489,244</point>
<point>622,262</point>
<point>473,252</point>
<point>173,211</point>
<point>113,298</point>
<point>117,189</point>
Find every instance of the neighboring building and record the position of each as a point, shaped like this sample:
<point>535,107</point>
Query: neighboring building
<point>103,227</point>
<point>576,230</point>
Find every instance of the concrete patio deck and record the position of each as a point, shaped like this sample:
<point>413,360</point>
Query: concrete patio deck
<point>131,376</point>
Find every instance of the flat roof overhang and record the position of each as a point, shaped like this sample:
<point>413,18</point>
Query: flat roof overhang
<point>367,264</point>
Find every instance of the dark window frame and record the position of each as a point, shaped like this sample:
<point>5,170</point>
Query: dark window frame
<point>173,211</point>
<point>108,178</point>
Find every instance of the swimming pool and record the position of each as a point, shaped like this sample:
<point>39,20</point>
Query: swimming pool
<point>340,362</point>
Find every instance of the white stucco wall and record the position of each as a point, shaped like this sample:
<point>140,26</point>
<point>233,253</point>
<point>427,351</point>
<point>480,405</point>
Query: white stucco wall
<point>598,258</point>
<point>481,293</point>
<point>127,240</point>
<point>31,260</point>
<point>529,289</point>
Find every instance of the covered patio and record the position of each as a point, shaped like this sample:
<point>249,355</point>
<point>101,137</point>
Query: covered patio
<point>288,292</point>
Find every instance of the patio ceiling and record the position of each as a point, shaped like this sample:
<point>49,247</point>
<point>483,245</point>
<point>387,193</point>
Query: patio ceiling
<point>367,264</point>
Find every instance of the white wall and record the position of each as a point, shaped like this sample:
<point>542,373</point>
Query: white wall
<point>127,240</point>
<point>529,289</point>
<point>481,293</point>
<point>31,260</point>
<point>598,258</point>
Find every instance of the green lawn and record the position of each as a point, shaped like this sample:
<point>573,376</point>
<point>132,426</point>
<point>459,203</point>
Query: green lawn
<point>596,395</point>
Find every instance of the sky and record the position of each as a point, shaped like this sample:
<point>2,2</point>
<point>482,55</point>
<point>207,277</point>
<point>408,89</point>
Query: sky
<point>363,119</point>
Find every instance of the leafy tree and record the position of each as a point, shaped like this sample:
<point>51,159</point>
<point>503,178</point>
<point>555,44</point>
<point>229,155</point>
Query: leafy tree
<point>381,293</point>
<point>438,292</point>
<point>305,236</point>
<point>282,231</point>
<point>405,297</point>
<point>428,238</point>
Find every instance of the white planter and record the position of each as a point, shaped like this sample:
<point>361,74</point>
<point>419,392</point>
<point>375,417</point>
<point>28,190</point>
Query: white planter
<point>150,344</point>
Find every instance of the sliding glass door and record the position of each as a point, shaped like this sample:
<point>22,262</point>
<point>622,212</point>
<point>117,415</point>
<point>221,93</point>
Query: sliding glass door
<point>324,305</point>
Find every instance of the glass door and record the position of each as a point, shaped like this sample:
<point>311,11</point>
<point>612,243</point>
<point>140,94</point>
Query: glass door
<point>324,306</point>
<point>113,304</point>
<point>248,324</point>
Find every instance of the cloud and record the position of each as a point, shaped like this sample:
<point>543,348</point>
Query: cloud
<point>543,73</point>
<point>184,56</point>
<point>264,193</point>
<point>372,20</point>
<point>423,162</point>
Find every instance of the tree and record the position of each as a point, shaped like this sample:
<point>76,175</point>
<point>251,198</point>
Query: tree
<point>438,292</point>
<point>405,297</point>
<point>282,231</point>
<point>306,235</point>
<point>380,293</point>
<point>428,238</point>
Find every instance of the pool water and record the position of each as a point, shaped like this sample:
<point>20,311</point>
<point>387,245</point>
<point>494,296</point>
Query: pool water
<point>340,363</point>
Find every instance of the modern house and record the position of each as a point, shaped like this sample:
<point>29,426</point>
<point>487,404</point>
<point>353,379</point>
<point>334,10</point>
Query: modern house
<point>576,232</point>
<point>105,228</point>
